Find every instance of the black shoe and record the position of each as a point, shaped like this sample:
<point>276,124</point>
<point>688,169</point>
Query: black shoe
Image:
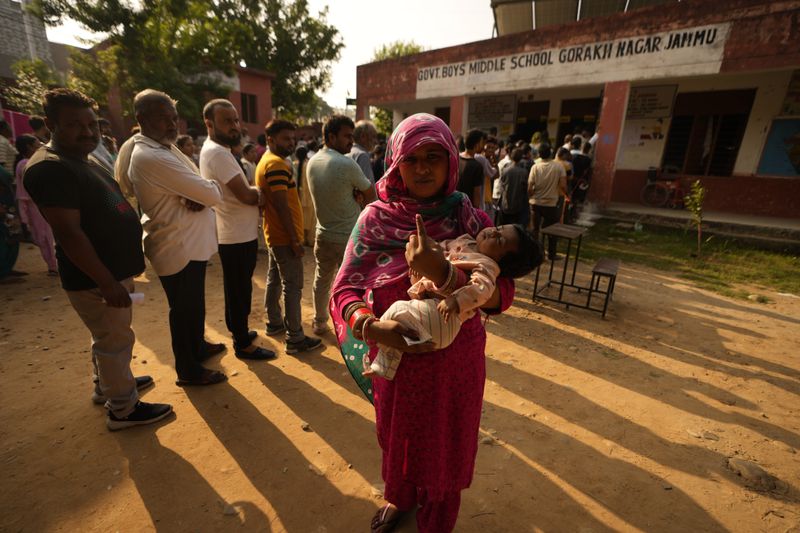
<point>259,354</point>
<point>142,383</point>
<point>275,330</point>
<point>143,413</point>
<point>308,343</point>
<point>205,377</point>
<point>251,336</point>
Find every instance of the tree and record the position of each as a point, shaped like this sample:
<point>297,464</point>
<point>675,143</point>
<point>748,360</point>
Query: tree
<point>32,80</point>
<point>94,72</point>
<point>694,203</point>
<point>382,117</point>
<point>187,47</point>
<point>281,37</point>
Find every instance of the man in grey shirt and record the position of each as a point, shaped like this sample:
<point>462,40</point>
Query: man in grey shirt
<point>365,138</point>
<point>334,180</point>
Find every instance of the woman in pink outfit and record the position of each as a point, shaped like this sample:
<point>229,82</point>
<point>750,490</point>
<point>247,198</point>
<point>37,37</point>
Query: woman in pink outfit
<point>28,212</point>
<point>428,417</point>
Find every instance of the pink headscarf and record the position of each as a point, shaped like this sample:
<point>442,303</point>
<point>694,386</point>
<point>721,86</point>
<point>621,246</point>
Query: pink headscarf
<point>375,253</point>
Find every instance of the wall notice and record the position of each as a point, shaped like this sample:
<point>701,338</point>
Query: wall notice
<point>651,102</point>
<point>686,52</point>
<point>491,110</point>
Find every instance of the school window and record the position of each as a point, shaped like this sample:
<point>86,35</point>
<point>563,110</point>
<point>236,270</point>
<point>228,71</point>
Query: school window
<point>706,132</point>
<point>249,108</point>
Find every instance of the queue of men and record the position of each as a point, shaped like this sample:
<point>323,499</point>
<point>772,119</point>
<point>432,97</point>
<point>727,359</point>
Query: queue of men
<point>188,213</point>
<point>192,208</point>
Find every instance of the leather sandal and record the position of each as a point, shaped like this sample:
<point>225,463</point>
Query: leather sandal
<point>206,377</point>
<point>385,519</point>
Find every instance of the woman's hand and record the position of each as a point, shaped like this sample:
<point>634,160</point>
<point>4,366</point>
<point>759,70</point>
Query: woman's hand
<point>425,257</point>
<point>390,333</point>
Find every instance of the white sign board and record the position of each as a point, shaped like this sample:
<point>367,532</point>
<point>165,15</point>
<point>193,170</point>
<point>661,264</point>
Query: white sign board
<point>651,102</point>
<point>685,52</point>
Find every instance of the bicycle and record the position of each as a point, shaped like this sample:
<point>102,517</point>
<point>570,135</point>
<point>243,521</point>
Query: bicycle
<point>663,190</point>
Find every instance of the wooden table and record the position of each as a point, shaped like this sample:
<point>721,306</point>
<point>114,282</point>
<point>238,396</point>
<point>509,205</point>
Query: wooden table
<point>569,233</point>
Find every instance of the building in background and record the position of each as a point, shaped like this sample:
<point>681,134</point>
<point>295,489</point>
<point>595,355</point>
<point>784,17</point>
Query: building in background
<point>23,37</point>
<point>699,88</point>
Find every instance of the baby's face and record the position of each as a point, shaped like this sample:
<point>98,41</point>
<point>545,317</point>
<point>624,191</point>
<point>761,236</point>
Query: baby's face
<point>495,242</point>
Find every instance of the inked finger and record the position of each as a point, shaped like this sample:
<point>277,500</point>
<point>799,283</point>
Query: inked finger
<point>421,233</point>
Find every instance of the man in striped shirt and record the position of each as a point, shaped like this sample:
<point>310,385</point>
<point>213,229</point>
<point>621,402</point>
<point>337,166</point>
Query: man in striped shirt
<point>283,231</point>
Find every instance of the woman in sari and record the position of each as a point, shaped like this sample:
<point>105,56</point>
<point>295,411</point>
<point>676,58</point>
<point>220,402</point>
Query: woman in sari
<point>28,212</point>
<point>309,215</point>
<point>427,418</point>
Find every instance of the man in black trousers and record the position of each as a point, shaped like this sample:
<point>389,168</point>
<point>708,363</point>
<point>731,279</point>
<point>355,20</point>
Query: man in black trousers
<point>237,223</point>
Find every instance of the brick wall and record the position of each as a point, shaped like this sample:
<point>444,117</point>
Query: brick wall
<point>260,84</point>
<point>764,35</point>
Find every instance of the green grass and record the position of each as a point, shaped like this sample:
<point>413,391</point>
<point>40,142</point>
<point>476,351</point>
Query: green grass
<point>722,266</point>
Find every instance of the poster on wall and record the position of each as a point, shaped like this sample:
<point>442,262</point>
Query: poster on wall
<point>781,155</point>
<point>643,143</point>
<point>651,102</point>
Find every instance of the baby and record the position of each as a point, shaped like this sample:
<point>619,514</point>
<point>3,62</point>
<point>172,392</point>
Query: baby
<point>504,250</point>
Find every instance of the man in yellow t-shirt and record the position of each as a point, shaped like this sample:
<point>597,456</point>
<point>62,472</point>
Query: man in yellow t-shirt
<point>283,230</point>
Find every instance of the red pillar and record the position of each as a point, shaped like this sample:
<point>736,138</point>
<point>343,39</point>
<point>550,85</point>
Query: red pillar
<point>609,130</point>
<point>457,104</point>
<point>362,111</point>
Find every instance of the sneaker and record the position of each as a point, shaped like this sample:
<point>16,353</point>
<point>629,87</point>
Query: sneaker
<point>320,328</point>
<point>275,330</point>
<point>143,413</point>
<point>308,343</point>
<point>142,383</point>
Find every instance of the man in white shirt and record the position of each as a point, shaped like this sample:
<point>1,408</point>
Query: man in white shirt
<point>8,152</point>
<point>237,223</point>
<point>546,182</point>
<point>180,230</point>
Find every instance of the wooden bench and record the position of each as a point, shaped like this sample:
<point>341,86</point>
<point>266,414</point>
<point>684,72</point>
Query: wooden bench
<point>604,268</point>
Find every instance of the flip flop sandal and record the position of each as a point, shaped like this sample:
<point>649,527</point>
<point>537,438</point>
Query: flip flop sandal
<point>383,521</point>
<point>208,377</point>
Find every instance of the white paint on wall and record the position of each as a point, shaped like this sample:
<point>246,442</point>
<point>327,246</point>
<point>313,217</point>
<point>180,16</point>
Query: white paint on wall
<point>770,91</point>
<point>687,52</point>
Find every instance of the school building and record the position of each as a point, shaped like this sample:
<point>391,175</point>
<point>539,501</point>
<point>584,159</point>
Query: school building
<point>705,89</point>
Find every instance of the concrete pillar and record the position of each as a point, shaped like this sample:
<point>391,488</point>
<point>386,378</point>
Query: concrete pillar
<point>362,111</point>
<point>397,118</point>
<point>554,121</point>
<point>609,130</point>
<point>458,112</point>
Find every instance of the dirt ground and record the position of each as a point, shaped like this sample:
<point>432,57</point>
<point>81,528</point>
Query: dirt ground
<point>623,424</point>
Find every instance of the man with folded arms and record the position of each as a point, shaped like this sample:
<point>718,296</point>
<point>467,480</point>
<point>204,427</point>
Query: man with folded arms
<point>180,230</point>
<point>237,223</point>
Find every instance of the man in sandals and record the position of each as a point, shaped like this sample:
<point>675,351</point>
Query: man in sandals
<point>180,230</point>
<point>99,250</point>
<point>237,223</point>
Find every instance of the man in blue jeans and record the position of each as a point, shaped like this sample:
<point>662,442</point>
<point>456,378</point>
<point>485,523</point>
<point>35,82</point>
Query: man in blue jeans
<point>283,231</point>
